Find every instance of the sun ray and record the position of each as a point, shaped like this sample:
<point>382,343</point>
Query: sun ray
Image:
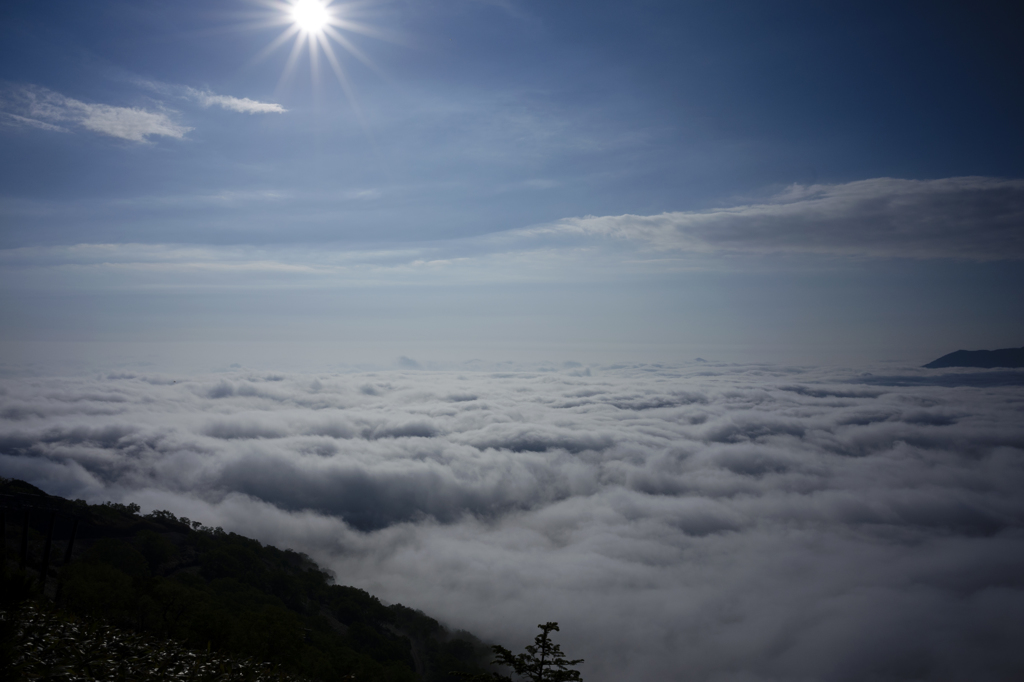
<point>339,72</point>
<point>313,40</point>
<point>285,36</point>
<point>293,59</point>
<point>352,49</point>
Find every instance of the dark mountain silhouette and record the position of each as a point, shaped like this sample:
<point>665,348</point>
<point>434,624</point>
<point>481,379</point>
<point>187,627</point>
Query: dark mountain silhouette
<point>1004,357</point>
<point>208,590</point>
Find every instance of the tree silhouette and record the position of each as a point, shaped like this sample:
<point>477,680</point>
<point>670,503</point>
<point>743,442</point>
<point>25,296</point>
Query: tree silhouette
<point>543,661</point>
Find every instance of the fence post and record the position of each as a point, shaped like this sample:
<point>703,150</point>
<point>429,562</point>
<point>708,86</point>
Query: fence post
<point>46,552</point>
<point>24,539</point>
<point>71,543</point>
<point>67,560</point>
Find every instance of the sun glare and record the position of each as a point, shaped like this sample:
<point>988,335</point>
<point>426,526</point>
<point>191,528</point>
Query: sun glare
<point>311,16</point>
<point>316,27</point>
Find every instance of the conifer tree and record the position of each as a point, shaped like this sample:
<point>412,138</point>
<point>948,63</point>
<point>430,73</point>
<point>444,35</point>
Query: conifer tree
<point>543,661</point>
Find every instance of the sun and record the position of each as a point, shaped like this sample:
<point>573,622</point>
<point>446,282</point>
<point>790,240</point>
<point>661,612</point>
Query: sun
<point>316,27</point>
<point>311,16</point>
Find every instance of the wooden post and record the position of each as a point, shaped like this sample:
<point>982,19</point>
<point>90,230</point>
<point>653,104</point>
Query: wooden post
<point>3,553</point>
<point>67,560</point>
<point>71,543</point>
<point>24,539</point>
<point>46,552</point>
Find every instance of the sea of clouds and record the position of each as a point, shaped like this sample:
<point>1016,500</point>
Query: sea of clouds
<point>694,522</point>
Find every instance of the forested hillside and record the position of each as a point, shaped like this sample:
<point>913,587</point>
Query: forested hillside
<point>209,590</point>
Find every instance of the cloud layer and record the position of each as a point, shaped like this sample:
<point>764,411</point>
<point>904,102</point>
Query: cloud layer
<point>962,218</point>
<point>698,523</point>
<point>954,219</point>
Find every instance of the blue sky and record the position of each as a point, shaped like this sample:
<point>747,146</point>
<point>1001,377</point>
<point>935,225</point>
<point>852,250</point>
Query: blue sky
<point>789,181</point>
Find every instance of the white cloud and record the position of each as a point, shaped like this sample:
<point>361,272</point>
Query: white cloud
<point>124,122</point>
<point>43,108</point>
<point>964,218</point>
<point>700,522</point>
<point>200,266</point>
<point>14,119</point>
<point>240,104</point>
<point>956,218</point>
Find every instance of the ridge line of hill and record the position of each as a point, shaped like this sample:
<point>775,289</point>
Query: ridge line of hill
<point>988,359</point>
<point>208,589</point>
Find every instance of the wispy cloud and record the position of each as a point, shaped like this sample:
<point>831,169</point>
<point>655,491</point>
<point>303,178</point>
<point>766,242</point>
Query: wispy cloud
<point>43,108</point>
<point>126,123</point>
<point>962,218</point>
<point>956,218</point>
<point>16,120</point>
<point>207,98</point>
<point>242,105</point>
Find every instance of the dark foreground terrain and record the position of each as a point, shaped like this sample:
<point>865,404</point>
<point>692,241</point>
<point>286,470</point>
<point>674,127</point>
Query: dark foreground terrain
<point>185,594</point>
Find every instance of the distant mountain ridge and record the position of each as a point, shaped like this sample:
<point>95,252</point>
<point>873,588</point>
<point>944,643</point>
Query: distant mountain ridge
<point>1004,357</point>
